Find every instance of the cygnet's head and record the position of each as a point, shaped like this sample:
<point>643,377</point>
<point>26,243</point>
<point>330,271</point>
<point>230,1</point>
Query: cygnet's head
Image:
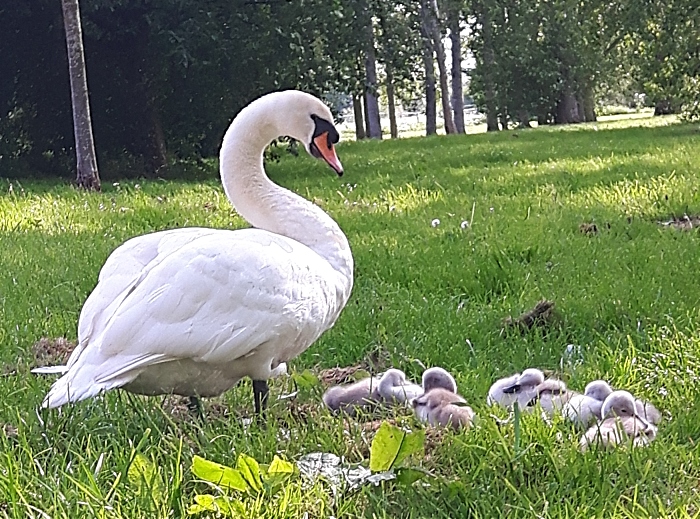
<point>598,390</point>
<point>392,378</point>
<point>303,117</point>
<point>438,378</point>
<point>619,403</point>
<point>528,379</point>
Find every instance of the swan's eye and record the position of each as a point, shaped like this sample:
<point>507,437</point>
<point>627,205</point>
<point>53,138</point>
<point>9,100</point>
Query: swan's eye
<point>322,126</point>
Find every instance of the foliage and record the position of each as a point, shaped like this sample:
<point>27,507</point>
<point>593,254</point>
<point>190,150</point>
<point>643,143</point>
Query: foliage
<point>423,295</point>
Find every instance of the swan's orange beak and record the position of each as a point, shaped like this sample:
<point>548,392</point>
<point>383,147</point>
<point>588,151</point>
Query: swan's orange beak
<point>326,150</point>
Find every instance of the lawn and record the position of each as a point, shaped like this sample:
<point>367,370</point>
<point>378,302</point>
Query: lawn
<point>450,236</point>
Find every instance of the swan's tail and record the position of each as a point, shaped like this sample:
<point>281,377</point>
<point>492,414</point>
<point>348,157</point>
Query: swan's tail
<point>50,370</point>
<point>65,390</point>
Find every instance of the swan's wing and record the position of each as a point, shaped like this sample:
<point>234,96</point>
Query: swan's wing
<point>214,299</point>
<point>122,270</point>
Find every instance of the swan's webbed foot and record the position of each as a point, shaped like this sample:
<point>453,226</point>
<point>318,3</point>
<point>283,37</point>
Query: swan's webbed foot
<point>260,394</point>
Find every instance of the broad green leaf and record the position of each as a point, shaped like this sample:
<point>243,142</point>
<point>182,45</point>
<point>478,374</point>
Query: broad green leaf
<point>219,474</point>
<point>306,379</point>
<point>407,476</point>
<point>250,470</point>
<point>143,477</point>
<point>204,502</point>
<point>280,466</point>
<point>391,445</point>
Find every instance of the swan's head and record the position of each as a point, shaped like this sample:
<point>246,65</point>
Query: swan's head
<point>438,378</point>
<point>598,389</point>
<point>308,120</point>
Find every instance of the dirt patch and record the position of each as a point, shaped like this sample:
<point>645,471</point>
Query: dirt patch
<point>346,375</point>
<point>9,430</point>
<point>375,362</point>
<point>683,223</point>
<point>588,228</point>
<point>543,315</point>
<point>50,352</point>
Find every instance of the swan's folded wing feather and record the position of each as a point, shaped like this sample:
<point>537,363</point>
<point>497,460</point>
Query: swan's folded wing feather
<point>216,299</point>
<point>122,270</point>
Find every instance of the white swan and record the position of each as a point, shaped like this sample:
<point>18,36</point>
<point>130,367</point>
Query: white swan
<point>621,423</point>
<point>192,311</point>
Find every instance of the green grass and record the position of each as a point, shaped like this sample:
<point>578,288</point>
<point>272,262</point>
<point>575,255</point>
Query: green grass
<point>628,296</point>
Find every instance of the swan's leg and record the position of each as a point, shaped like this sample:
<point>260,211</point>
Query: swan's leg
<point>195,407</point>
<point>260,392</point>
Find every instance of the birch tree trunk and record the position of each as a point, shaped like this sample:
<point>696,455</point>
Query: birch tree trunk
<point>359,118</point>
<point>457,91</point>
<point>374,128</point>
<point>88,176</point>
<point>432,19</point>
<point>489,64</point>
<point>430,91</point>
<point>391,101</point>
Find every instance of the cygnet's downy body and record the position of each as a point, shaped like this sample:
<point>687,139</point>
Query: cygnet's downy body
<point>520,388</point>
<point>584,410</point>
<point>349,398</point>
<point>442,408</point>
<point>551,395</point>
<point>394,388</point>
<point>621,424</point>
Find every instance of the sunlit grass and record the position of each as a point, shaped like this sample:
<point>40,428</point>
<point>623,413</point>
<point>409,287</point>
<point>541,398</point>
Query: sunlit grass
<point>509,208</point>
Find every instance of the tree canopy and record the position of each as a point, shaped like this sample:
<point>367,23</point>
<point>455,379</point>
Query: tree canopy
<point>166,77</point>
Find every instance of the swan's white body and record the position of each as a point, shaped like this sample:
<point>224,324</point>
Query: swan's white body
<point>192,311</point>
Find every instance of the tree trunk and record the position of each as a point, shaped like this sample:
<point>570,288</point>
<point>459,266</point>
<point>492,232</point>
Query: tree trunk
<point>431,19</point>
<point>489,65</point>
<point>359,119</point>
<point>156,153</point>
<point>430,91</point>
<point>503,117</point>
<point>567,108</point>
<point>457,91</point>
<point>589,104</point>
<point>88,176</point>
<point>374,128</point>
<point>391,101</point>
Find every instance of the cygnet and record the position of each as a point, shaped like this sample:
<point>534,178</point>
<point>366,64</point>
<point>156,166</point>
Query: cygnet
<point>621,423</point>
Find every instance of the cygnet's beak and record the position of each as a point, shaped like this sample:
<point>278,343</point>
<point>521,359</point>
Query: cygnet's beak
<point>322,148</point>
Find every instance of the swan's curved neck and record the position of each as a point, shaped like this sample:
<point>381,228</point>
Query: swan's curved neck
<point>266,205</point>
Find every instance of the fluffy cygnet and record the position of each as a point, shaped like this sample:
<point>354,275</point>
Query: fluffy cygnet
<point>442,408</point>
<point>552,394</point>
<point>350,397</point>
<point>518,388</point>
<point>583,410</point>
<point>438,377</point>
<point>621,423</point>
<point>394,388</point>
